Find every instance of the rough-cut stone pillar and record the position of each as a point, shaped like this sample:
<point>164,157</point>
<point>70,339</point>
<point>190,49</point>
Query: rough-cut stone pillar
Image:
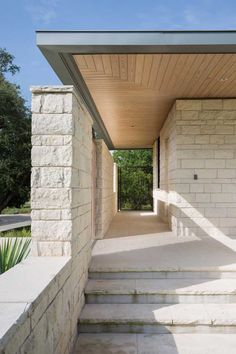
<point>61,172</point>
<point>106,193</point>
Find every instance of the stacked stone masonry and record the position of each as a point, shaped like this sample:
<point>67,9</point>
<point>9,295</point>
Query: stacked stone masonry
<point>61,197</point>
<point>61,172</point>
<point>106,189</point>
<point>42,309</point>
<point>162,196</point>
<point>201,192</point>
<point>155,175</point>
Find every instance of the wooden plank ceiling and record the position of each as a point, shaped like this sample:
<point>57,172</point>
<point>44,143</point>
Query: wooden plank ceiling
<point>134,92</point>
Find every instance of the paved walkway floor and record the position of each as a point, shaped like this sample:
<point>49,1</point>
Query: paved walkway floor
<point>139,241</point>
<point>9,222</point>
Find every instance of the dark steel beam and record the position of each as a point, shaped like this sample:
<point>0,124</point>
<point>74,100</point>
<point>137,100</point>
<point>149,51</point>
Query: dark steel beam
<point>91,42</point>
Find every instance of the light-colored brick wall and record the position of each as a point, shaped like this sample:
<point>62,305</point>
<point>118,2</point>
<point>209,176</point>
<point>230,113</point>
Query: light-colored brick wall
<point>61,198</point>
<point>155,176</point>
<point>39,306</point>
<point>167,168</point>
<point>61,172</point>
<point>204,145</point>
<point>106,194</point>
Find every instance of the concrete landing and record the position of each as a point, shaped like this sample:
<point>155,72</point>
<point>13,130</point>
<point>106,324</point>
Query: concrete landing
<point>156,344</point>
<point>139,241</point>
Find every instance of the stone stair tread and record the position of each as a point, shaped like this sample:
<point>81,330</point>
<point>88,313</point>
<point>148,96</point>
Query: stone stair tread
<point>94,268</point>
<point>165,273</point>
<point>161,286</point>
<point>156,343</point>
<point>174,314</point>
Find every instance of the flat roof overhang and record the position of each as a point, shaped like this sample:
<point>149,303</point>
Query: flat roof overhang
<point>69,52</point>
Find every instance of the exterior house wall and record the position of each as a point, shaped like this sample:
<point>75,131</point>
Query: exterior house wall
<point>204,137</point>
<point>168,166</point>
<point>61,201</point>
<point>106,195</point>
<point>155,176</point>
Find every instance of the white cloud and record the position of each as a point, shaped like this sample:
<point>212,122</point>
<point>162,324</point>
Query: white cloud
<point>42,11</point>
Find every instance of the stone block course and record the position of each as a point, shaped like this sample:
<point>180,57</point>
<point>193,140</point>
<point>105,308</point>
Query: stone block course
<point>229,104</point>
<point>188,105</point>
<point>215,104</point>
<point>51,156</point>
<point>61,210</point>
<point>106,196</point>
<point>57,124</point>
<point>207,149</point>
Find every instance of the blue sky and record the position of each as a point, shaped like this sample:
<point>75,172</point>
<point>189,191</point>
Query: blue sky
<point>19,19</point>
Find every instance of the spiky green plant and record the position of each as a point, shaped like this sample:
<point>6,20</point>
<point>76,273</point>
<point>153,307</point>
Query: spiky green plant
<point>13,251</point>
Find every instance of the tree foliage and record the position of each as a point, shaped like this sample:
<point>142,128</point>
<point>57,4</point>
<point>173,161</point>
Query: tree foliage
<point>6,63</point>
<point>142,157</point>
<point>15,136</point>
<point>135,174</point>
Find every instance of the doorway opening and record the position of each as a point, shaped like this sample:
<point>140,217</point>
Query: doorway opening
<point>135,179</point>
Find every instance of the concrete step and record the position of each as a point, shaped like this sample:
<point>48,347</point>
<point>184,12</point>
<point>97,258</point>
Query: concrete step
<point>158,318</point>
<point>141,291</point>
<point>163,274</point>
<point>105,343</point>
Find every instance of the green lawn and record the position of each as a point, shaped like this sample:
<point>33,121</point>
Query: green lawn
<point>21,232</point>
<point>24,209</point>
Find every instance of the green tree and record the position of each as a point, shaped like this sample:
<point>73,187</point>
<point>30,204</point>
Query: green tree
<point>135,168</point>
<point>142,157</point>
<point>15,136</point>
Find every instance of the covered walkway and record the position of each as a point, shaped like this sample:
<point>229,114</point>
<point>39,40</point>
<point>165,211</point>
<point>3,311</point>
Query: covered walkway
<point>140,241</point>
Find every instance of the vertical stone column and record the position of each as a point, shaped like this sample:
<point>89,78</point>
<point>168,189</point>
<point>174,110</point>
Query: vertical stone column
<point>155,176</point>
<point>106,193</point>
<point>168,165</point>
<point>61,172</point>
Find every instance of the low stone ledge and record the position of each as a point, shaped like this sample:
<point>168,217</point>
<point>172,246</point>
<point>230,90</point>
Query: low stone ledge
<point>26,292</point>
<point>51,89</point>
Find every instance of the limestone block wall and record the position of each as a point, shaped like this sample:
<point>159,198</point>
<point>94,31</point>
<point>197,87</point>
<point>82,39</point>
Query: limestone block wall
<point>61,196</point>
<point>202,198</point>
<point>106,193</point>
<point>155,176</point>
<point>206,147</point>
<point>168,165</point>
<point>35,305</point>
<point>61,172</point>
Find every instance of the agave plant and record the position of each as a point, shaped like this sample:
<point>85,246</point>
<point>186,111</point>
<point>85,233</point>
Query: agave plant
<point>13,251</point>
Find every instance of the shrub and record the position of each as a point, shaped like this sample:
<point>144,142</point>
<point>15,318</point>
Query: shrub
<point>12,252</point>
<point>21,232</point>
